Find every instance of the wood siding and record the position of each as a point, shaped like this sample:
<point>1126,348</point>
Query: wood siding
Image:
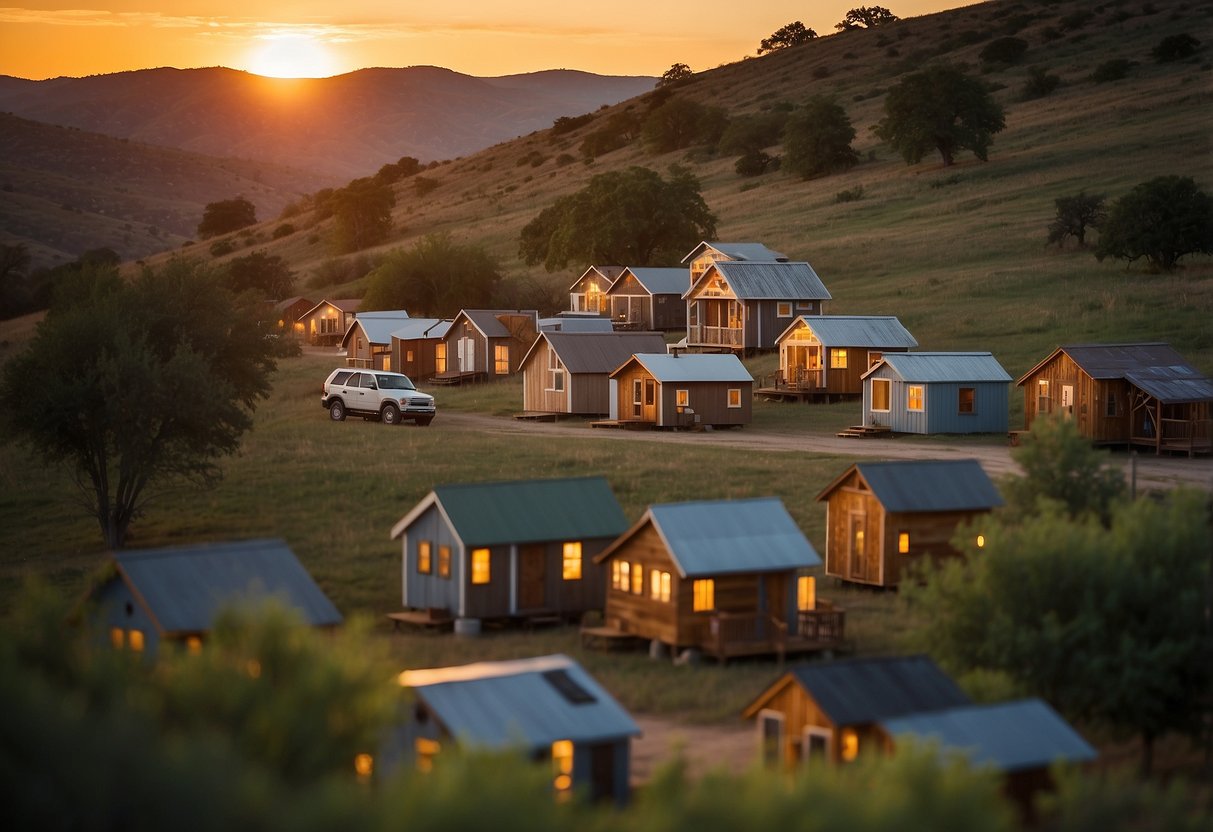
<point>1089,405</point>
<point>800,711</point>
<point>428,590</point>
<point>537,393</point>
<point>423,364</point>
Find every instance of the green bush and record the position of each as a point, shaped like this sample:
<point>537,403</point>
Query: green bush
<point>1039,84</point>
<point>1112,70</point>
<point>284,230</point>
<point>850,195</point>
<point>1007,50</point>
<point>1175,48</point>
<point>221,247</point>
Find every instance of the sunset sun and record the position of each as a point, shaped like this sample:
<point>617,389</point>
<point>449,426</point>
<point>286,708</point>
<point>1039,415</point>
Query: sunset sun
<point>292,56</point>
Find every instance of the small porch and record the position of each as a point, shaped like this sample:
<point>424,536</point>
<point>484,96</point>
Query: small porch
<point>716,323</point>
<point>734,634</point>
<point>1183,427</point>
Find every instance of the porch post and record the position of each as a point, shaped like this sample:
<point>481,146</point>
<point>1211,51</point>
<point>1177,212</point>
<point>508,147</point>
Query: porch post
<point>1158,426</point>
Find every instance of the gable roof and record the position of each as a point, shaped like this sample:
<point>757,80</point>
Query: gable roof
<point>529,702</point>
<point>925,485</point>
<point>724,367</point>
<point>930,367</point>
<point>489,324</point>
<point>1010,736</point>
<point>655,281</point>
<point>862,691</point>
<point>737,251</point>
<point>287,303</point>
<point>608,273</point>
<point>182,588</point>
<point>596,352</point>
<point>417,328</point>
<point>767,280</point>
<point>524,511</point>
<point>343,304</point>
<point>377,326</point>
<point>719,537</point>
<point>580,323</point>
<point>1154,367</point>
<point>883,331</point>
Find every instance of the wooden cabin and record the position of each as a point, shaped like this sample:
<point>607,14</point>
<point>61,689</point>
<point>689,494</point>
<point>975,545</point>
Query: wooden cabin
<point>881,517</point>
<point>936,392</point>
<point>1021,740</point>
<point>368,340</point>
<point>172,595</point>
<point>548,709</point>
<point>499,550</point>
<point>725,577</point>
<point>831,712</point>
<point>648,298</point>
<point>1142,394</point>
<point>326,323</point>
<point>487,343</point>
<point>705,254</point>
<point>569,372</point>
<point>824,357</point>
<point>288,316</point>
<point>418,350</point>
<point>682,390</point>
<point>588,292</point>
<point>745,306</point>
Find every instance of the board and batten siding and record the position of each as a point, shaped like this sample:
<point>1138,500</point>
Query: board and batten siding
<point>1090,400</point>
<point>941,406</point>
<point>537,393</point>
<point>116,607</point>
<point>709,400</point>
<point>423,591</point>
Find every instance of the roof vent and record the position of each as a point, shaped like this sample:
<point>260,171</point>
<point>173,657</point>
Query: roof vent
<point>567,687</point>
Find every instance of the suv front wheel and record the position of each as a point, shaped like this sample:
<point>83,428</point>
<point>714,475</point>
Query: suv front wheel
<point>391,414</point>
<point>337,411</point>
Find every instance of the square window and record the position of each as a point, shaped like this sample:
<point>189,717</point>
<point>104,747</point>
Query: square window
<point>783,309</point>
<point>914,396</point>
<point>838,359</point>
<point>571,569</point>
<point>480,566</point>
<point>682,398</point>
<point>424,557</point>
<point>734,397</point>
<point>881,394</point>
<point>703,595</point>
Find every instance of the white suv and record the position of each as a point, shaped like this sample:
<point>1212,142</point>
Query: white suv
<point>390,397</point>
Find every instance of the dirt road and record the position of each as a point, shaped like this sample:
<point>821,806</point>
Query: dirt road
<point>1152,471</point>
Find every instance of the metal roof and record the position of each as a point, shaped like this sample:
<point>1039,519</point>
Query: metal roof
<point>525,511</point>
<point>738,251</point>
<point>487,322</point>
<point>718,537</point>
<point>656,281</point>
<point>943,366</point>
<point>343,304</point>
<point>1154,367</point>
<point>416,328</point>
<point>183,587</point>
<point>926,485</point>
<point>289,302</point>
<point>1009,736</point>
<point>768,281</point>
<point>883,331</point>
<point>378,326</point>
<point>607,273</point>
<point>560,323</point>
<point>861,691</point>
<point>597,352</point>
<point>495,705</point>
<point>724,367</point>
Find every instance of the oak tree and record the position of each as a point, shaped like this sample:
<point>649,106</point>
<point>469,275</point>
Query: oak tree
<point>942,108</point>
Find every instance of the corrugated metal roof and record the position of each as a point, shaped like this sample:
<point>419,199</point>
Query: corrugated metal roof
<point>929,485</point>
<point>861,691</point>
<point>566,324</point>
<point>599,352</point>
<point>657,281</point>
<point>486,320</point>
<point>1154,367</point>
<point>607,273</point>
<point>415,328</point>
<point>378,326</point>
<point>185,586</point>
<point>495,705</point>
<point>724,367</point>
<point>943,366</point>
<point>1009,736</point>
<point>737,251</point>
<point>717,537</point>
<point>522,511</point>
<point>770,281</point>
<point>344,304</point>
<point>883,331</point>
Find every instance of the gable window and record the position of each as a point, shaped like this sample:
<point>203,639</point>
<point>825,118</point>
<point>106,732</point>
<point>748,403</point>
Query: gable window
<point>734,397</point>
<point>806,593</point>
<point>358,344</point>
<point>637,579</point>
<point>914,397</point>
<point>424,557</point>
<point>440,357</point>
<point>444,561</point>
<point>967,402</point>
<point>659,585</point>
<point>556,369</point>
<point>880,394</point>
<point>703,595</point>
<point>501,359</point>
<point>783,309</point>
<point>682,398</point>
<point>838,359</point>
<point>571,561</point>
<point>903,543</point>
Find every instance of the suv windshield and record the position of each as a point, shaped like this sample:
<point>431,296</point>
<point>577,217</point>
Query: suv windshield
<point>395,383</point>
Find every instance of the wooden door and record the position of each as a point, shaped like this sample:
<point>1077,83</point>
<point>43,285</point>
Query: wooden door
<point>650,400</point>
<point>602,772</point>
<point>532,577</point>
<point>1067,400</point>
<point>467,355</point>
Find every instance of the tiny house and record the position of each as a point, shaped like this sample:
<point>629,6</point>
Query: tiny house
<point>682,390</point>
<point>936,392</point>
<point>825,356</point>
<point>171,595</point>
<point>705,254</point>
<point>418,350</point>
<point>325,324</point>
<point>368,340</point>
<point>883,516</point>
<point>549,709</point>
<point>487,343</point>
<point>1142,394</point>
<point>288,316</point>
<point>726,577</point>
<point>648,298</point>
<point>569,372</point>
<point>588,292</point>
<point>744,306</point>
<point>521,549</point>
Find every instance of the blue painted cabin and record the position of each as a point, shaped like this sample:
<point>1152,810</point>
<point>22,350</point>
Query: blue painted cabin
<point>937,392</point>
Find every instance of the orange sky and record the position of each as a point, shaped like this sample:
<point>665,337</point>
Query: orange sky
<point>479,37</point>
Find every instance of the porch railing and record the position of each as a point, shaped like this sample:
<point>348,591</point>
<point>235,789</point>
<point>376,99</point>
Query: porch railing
<point>723,336</point>
<point>727,631</point>
<point>361,363</point>
<point>827,623</point>
<point>1183,434</point>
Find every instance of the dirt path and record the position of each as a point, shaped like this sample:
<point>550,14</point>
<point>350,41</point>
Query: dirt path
<point>729,746</point>
<point>1152,472</point>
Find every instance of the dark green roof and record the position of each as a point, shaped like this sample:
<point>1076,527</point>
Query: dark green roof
<point>491,513</point>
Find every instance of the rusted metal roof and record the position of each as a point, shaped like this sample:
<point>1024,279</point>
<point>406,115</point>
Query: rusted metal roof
<point>1154,367</point>
<point>880,331</point>
<point>597,352</point>
<point>769,281</point>
<point>943,366</point>
<point>917,485</point>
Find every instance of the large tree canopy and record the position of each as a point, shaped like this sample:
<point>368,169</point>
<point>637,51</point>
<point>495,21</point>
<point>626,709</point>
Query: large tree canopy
<point>267,276</point>
<point>941,108</point>
<point>362,213</point>
<point>793,34</point>
<point>226,216</point>
<point>631,217</point>
<point>1161,220</point>
<point>817,139</point>
<point>436,277</point>
<point>866,17</point>
<point>136,386</point>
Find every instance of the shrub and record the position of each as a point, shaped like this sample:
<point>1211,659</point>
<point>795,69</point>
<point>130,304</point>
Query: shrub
<point>850,195</point>
<point>753,163</point>
<point>1175,48</point>
<point>1112,70</point>
<point>284,230</point>
<point>423,185</point>
<point>1003,51</point>
<point>222,247</point>
<point>567,124</point>
<point>1039,84</point>
<point>564,159</point>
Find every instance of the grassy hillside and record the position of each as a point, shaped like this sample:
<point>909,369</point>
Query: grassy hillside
<point>959,253</point>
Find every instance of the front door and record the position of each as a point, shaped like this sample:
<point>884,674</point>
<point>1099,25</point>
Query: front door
<point>1067,400</point>
<point>532,576</point>
<point>650,400</point>
<point>467,355</point>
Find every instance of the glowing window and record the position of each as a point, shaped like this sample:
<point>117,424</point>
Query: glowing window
<point>806,593</point>
<point>194,645</point>
<point>850,744</point>
<point>655,584</point>
<point>966,401</point>
<point>480,566</point>
<point>637,579</point>
<point>135,639</point>
<point>440,357</point>
<point>880,394</point>
<point>364,765</point>
<point>981,541</point>
<point>734,397</point>
<point>426,751</point>
<point>562,765</point>
<point>501,359</point>
<point>903,543</point>
<point>424,557</point>
<point>682,398</point>
<point>703,595</point>
<point>914,397</point>
<point>783,309</point>
<point>572,561</point>
<point>444,561</point>
<point>625,573</point>
<point>117,637</point>
<point>408,356</point>
<point>838,359</point>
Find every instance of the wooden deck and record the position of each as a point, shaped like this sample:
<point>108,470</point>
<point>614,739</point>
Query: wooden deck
<point>432,619</point>
<point>863,431</point>
<point>624,424</point>
<point>608,638</point>
<point>538,416</point>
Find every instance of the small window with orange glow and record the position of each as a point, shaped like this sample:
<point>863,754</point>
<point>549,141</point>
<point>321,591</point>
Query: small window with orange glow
<point>424,557</point>
<point>625,575</point>
<point>117,637</point>
<point>903,543</point>
<point>806,593</point>
<point>562,765</point>
<point>637,579</point>
<point>571,570</point>
<point>426,750</point>
<point>703,595</point>
<point>135,639</point>
<point>480,566</point>
<point>850,745</point>
<point>981,541</point>
<point>444,561</point>
<point>193,644</point>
